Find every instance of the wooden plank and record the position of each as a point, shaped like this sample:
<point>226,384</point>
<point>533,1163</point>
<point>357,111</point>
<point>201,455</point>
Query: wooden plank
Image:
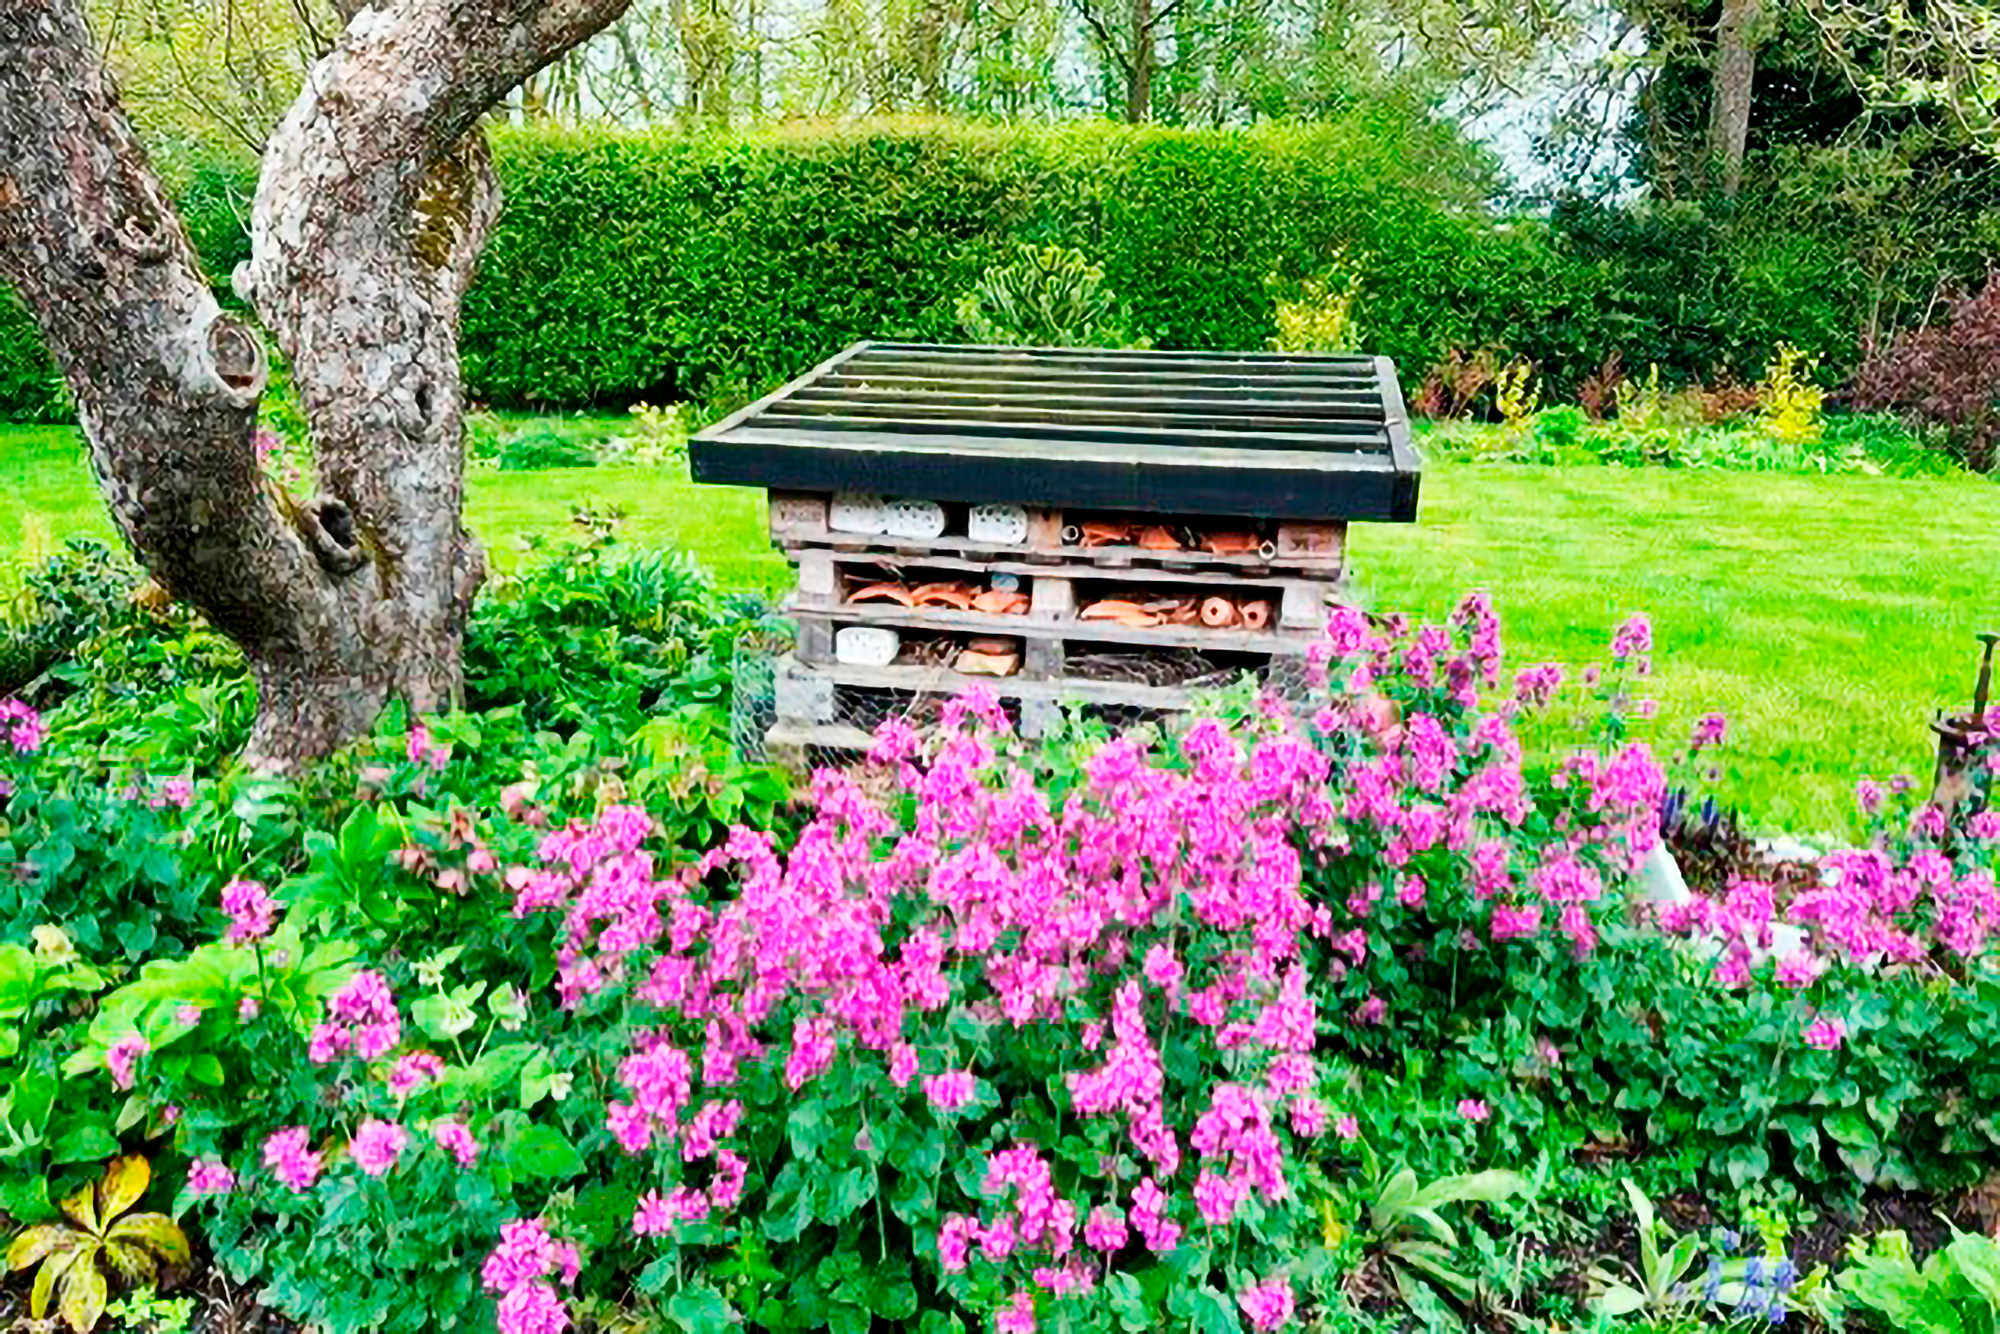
<point>1082,475</point>
<point>1272,639</point>
<point>1358,439</point>
<point>788,735</point>
<point>1139,378</point>
<point>1246,430</point>
<point>993,352</point>
<point>1193,567</point>
<point>1107,384</point>
<point>1360,405</point>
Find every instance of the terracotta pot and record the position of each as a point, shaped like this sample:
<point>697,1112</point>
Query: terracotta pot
<point>895,593</point>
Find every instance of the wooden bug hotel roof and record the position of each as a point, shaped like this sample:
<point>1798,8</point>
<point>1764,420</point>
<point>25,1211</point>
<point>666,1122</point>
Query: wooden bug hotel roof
<point>1262,435</point>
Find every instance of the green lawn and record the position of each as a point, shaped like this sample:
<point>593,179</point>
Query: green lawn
<point>1829,617</point>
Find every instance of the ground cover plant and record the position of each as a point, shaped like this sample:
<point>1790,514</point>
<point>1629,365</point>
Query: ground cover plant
<point>1350,1019</point>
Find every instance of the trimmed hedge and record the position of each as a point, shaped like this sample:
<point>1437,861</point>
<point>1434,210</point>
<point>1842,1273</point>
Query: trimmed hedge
<point>657,266</point>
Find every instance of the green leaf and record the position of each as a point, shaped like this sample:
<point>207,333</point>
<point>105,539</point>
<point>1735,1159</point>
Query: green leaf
<point>806,1127</point>
<point>851,1189</point>
<point>87,1143</point>
<point>543,1151</point>
<point>1214,1313</point>
<point>442,1017</point>
<point>1483,1187</point>
<point>700,1309</point>
<point>1620,1300</point>
<point>1128,1302</point>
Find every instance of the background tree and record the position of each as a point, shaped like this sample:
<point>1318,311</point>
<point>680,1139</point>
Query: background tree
<point>374,201</point>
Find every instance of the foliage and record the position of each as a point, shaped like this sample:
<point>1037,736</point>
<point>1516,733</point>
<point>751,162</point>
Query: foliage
<point>1319,316</point>
<point>717,267</point>
<point>535,451</point>
<point>658,437</point>
<point>46,1123</point>
<point>1045,296</point>
<point>102,1239</point>
<point>1406,1233</point>
<point>59,599</point>
<point>1955,1291</point>
<point>1947,373</point>
<point>590,635</point>
<point>1761,1287</point>
<point>1789,399</point>
<point>1517,394</point>
<point>147,1311</point>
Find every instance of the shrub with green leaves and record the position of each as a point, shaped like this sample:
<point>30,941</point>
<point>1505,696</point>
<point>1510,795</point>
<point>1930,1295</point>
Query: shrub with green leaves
<point>1045,296</point>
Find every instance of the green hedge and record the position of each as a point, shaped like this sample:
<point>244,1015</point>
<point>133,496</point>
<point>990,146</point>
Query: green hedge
<point>657,266</point>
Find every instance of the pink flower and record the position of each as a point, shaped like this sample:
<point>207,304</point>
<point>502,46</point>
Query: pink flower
<point>208,1176</point>
<point>654,1217</point>
<point>1709,730</point>
<point>377,1145</point>
<point>247,1009</point>
<point>1269,1304</point>
<point>903,1065</point>
<point>1017,1316</point>
<point>1868,795</point>
<point>532,1308</point>
<point>423,750</point>
<point>955,1239</point>
<point>251,909</point>
<point>1105,1229</point>
<point>1472,1109</point>
<point>456,1140</point>
<point>286,1154</point>
<point>123,1058</point>
<point>187,1016</point>
<point>1347,1128</point>
<point>1800,969</point>
<point>1634,638</point>
<point>24,727</point>
<point>949,1091</point>
<point>1371,1011</point>
<point>1826,1034</point>
<point>414,1069</point>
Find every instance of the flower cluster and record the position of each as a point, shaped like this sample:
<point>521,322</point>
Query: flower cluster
<point>520,1272</point>
<point>22,726</point>
<point>362,1018</point>
<point>251,910</point>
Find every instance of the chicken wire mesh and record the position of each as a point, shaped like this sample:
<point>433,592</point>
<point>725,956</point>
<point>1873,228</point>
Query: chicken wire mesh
<point>861,710</point>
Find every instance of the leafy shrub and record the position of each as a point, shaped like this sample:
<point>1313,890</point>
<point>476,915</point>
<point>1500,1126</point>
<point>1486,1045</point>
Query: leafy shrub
<point>59,601</point>
<point>1947,374</point>
<point>1045,296</point>
<point>1789,399</point>
<point>591,635</point>
<point>1955,1291</point>
<point>534,451</point>
<point>1319,315</point>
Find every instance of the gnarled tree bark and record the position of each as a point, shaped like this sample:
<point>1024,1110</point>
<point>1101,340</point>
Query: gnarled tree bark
<point>372,208</point>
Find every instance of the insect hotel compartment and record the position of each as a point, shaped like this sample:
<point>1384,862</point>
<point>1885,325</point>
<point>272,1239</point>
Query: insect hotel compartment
<point>1110,529</point>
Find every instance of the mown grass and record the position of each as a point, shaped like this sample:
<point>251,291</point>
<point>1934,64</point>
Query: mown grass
<point>1829,617</point>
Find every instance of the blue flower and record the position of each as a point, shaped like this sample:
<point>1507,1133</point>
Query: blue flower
<point>1753,1271</point>
<point>1730,1241</point>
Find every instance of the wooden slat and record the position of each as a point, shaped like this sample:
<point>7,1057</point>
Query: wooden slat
<point>1075,571</point>
<point>1157,373</point>
<point>945,681</point>
<point>1224,389</point>
<point>1011,352</point>
<point>1099,427</point>
<point>1210,404</point>
<point>1021,627</point>
<point>892,551</point>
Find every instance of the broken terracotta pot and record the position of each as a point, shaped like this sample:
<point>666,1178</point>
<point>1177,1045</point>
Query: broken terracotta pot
<point>1001,602</point>
<point>956,596</point>
<point>1218,612</point>
<point>1129,614</point>
<point>1229,543</point>
<point>1157,538</point>
<point>888,592</point>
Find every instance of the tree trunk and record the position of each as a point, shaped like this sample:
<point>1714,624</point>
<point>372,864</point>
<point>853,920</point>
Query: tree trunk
<point>1731,91</point>
<point>1139,76</point>
<point>374,202</point>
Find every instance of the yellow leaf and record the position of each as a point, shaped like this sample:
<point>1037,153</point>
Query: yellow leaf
<point>84,1293</point>
<point>52,1269</point>
<point>38,1243</point>
<point>125,1180</point>
<point>157,1233</point>
<point>82,1207</point>
<point>134,1263</point>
